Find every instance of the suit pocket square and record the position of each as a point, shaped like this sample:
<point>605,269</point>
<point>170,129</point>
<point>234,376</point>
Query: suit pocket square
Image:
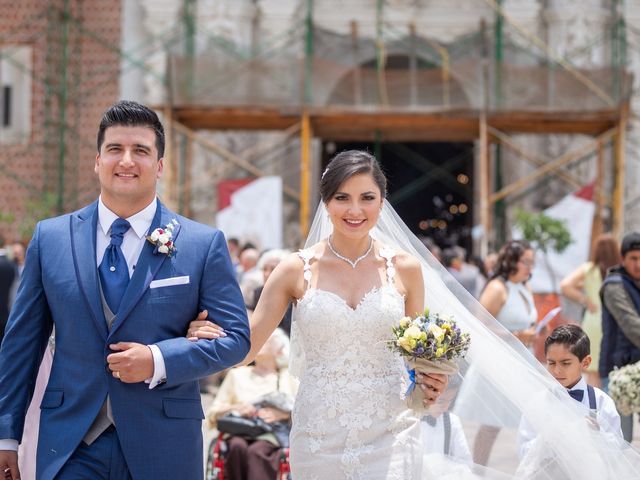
<point>169,282</point>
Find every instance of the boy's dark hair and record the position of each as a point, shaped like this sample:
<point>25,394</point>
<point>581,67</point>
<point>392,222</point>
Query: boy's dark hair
<point>630,242</point>
<point>132,114</point>
<point>573,337</point>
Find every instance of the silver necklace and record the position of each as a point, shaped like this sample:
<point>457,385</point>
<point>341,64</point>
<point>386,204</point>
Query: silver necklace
<point>355,262</point>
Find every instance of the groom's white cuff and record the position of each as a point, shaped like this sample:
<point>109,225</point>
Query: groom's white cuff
<point>9,444</point>
<point>159,369</point>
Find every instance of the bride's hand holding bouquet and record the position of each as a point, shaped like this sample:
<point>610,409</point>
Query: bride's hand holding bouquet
<point>430,343</point>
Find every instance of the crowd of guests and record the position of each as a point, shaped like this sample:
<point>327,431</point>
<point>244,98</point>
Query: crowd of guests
<point>11,265</point>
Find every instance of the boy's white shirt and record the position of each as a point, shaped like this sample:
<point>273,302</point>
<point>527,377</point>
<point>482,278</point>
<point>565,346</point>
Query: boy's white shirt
<point>433,439</point>
<point>606,415</point>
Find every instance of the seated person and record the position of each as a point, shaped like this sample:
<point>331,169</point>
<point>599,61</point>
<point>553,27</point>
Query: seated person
<point>243,393</point>
<point>442,431</point>
<point>567,352</point>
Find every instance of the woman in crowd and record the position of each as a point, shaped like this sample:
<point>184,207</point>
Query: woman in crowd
<point>508,298</point>
<point>583,286</point>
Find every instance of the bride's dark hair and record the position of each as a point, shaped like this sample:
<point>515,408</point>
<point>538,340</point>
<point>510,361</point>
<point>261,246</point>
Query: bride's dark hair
<point>347,164</point>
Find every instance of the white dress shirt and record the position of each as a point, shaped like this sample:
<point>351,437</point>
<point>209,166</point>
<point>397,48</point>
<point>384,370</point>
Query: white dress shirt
<point>433,439</point>
<point>606,415</point>
<point>132,244</point>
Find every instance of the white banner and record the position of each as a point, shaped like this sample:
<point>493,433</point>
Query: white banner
<point>255,214</point>
<point>577,213</point>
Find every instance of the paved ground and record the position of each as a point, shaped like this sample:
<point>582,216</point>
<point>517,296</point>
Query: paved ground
<point>502,457</point>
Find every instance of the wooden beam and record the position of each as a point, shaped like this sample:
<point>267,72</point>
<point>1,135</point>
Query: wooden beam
<point>229,156</point>
<point>185,186</point>
<point>305,174</point>
<point>619,169</point>
<point>598,194</point>
<point>485,187</point>
<point>551,167</point>
<point>170,181</point>
<point>358,122</point>
<point>534,159</point>
<point>259,149</point>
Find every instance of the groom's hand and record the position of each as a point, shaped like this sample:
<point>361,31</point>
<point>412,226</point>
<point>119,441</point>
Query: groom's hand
<point>132,363</point>
<point>9,464</point>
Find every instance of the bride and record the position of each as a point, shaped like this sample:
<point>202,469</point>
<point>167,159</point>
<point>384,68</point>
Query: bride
<point>361,272</point>
<point>349,420</point>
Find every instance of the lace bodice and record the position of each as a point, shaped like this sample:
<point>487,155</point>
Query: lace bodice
<point>350,403</point>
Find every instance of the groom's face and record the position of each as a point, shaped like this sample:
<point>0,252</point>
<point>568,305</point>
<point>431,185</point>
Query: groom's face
<point>128,168</point>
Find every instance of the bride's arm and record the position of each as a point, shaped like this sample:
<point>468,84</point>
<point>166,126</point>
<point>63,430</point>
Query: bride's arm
<point>410,274</point>
<point>284,284</point>
<point>411,281</point>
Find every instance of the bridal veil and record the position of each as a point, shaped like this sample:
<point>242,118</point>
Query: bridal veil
<point>501,383</point>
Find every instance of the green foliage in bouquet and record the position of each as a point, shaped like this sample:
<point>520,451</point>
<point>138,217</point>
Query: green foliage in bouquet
<point>429,336</point>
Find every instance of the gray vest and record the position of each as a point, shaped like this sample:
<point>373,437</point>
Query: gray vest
<point>105,416</point>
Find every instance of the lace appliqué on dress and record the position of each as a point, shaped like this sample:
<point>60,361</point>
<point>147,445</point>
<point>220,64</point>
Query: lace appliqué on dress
<point>350,405</point>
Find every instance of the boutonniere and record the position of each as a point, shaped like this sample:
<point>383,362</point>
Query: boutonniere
<point>162,238</point>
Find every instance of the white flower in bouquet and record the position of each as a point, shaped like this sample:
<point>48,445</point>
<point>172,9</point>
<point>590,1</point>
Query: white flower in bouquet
<point>624,385</point>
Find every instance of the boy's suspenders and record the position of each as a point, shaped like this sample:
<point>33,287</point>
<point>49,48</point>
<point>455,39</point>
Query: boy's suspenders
<point>592,398</point>
<point>446,420</point>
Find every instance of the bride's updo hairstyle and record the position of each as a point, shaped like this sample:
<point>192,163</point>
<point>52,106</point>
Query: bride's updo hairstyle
<point>344,166</point>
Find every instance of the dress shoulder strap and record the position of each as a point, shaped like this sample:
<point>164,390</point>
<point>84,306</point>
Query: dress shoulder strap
<point>388,254</point>
<point>306,255</point>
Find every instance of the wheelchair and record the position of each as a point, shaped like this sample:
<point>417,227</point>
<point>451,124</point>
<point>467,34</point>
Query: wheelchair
<point>216,460</point>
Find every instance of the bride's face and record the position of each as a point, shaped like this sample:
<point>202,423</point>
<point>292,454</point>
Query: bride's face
<point>355,207</point>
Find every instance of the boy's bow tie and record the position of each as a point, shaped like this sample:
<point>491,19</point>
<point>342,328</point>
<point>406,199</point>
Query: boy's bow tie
<point>430,420</point>
<point>577,394</point>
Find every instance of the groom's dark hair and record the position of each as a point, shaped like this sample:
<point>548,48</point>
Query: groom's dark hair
<point>132,114</point>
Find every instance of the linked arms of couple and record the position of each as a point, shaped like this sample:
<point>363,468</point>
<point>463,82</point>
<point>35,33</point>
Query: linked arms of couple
<point>432,385</point>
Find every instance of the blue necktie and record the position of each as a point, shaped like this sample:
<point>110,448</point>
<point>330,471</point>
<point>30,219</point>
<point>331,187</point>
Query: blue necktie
<point>577,394</point>
<point>113,270</point>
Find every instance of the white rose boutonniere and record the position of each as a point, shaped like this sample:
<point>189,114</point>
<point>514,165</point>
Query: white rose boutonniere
<point>162,238</point>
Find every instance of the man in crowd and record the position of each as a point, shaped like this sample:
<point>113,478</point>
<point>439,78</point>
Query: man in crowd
<point>7,279</point>
<point>620,295</point>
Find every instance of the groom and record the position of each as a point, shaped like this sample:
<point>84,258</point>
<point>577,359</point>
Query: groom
<point>123,398</point>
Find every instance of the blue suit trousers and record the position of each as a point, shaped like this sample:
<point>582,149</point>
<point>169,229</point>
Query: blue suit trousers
<point>102,460</point>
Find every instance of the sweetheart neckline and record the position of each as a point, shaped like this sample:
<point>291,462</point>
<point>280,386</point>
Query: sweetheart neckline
<point>344,302</point>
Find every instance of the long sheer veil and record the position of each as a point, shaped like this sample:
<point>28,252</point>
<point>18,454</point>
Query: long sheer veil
<point>502,382</point>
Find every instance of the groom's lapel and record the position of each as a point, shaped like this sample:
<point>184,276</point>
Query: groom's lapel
<point>83,227</point>
<point>146,269</point>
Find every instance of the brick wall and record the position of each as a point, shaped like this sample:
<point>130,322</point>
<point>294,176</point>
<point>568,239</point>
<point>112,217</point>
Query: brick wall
<point>74,78</point>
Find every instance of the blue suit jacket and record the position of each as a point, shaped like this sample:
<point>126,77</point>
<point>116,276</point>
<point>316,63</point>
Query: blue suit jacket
<point>159,429</point>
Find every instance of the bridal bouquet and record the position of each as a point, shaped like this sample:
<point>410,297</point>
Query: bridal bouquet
<point>429,343</point>
<point>624,388</point>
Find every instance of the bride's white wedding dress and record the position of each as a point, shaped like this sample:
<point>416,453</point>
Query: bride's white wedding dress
<point>350,420</point>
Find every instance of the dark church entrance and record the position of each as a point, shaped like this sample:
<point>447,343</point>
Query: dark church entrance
<point>429,184</point>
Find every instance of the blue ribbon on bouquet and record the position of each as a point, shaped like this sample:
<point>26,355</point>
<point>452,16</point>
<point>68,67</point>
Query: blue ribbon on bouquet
<point>412,385</point>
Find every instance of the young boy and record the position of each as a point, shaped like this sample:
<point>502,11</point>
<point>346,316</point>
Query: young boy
<point>567,351</point>
<point>442,431</point>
